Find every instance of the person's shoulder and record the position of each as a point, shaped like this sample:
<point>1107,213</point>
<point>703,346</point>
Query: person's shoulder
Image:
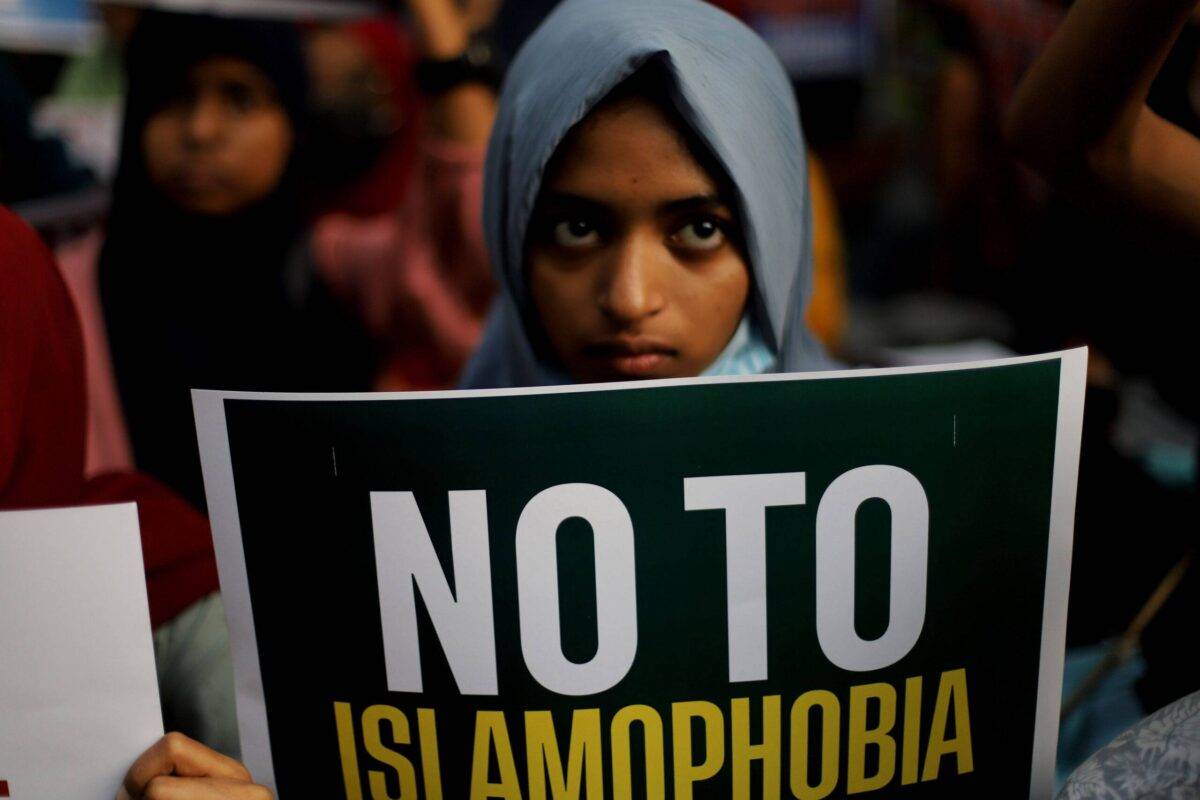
<point>26,265</point>
<point>21,242</point>
<point>1158,757</point>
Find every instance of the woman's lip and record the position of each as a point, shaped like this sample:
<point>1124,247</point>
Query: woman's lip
<point>636,366</point>
<point>199,179</point>
<point>631,358</point>
<point>619,348</point>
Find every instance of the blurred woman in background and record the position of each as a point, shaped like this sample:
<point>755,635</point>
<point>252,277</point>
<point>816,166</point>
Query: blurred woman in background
<point>402,123</point>
<point>211,273</point>
<point>201,280</point>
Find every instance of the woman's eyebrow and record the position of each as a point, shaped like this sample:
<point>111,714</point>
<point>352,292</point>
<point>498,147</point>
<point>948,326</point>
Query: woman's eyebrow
<point>566,201</point>
<point>699,202</point>
<point>560,202</point>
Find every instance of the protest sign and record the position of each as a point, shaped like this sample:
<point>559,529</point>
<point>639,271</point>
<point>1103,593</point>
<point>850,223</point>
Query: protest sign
<point>776,586</point>
<point>78,689</point>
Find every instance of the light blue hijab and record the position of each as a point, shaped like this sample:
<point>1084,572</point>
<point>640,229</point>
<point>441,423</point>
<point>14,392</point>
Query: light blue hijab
<point>734,94</point>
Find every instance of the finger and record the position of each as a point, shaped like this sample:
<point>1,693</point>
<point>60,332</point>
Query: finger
<point>170,787</point>
<point>176,754</point>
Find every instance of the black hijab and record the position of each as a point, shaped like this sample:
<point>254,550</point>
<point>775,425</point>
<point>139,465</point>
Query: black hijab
<point>198,301</point>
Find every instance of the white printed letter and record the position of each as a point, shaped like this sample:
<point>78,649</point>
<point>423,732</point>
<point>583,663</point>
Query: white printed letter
<point>745,499</point>
<point>616,589</point>
<point>405,558</point>
<point>835,566</point>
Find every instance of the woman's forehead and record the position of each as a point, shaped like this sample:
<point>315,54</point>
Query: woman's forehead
<point>224,69</point>
<point>627,150</point>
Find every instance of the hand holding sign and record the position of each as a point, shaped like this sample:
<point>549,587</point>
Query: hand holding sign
<point>179,768</point>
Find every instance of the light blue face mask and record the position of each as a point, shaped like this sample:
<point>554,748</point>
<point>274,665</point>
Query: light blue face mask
<point>746,354</point>
<point>731,90</point>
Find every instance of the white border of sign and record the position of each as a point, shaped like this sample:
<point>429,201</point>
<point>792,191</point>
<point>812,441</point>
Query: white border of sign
<point>231,558</point>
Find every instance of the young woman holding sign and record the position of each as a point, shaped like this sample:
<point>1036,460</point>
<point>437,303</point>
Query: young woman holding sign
<point>646,203</point>
<point>647,212</point>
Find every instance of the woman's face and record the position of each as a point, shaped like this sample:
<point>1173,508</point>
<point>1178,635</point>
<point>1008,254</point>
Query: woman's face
<point>633,257</point>
<point>223,143</point>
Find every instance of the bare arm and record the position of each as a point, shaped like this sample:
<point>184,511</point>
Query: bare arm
<point>464,114</point>
<point>1080,117</point>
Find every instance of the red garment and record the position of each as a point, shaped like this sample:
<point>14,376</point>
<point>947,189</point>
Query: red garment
<point>43,416</point>
<point>42,395</point>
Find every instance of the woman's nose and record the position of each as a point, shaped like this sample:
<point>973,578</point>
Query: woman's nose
<point>205,120</point>
<point>632,290</point>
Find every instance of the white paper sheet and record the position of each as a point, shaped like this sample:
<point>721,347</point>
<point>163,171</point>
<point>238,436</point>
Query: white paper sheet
<point>78,689</point>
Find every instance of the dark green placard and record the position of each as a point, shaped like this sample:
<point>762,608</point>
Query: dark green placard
<point>981,443</point>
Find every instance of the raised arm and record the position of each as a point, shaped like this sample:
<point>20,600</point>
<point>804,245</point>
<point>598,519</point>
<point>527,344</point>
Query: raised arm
<point>1080,117</point>
<point>464,114</point>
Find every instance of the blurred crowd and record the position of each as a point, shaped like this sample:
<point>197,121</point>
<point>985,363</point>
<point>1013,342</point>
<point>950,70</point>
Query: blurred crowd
<point>336,243</point>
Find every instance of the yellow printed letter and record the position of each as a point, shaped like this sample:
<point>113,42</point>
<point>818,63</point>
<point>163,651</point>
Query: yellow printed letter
<point>584,757</point>
<point>910,757</point>
<point>349,750</point>
<point>622,768</point>
<point>831,735</point>
<point>952,689</point>
<point>491,732</point>
<point>687,772</point>
<point>742,752</point>
<point>372,720</point>
<point>430,762</point>
<point>860,737</point>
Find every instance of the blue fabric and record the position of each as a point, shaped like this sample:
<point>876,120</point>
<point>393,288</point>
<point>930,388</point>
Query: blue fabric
<point>746,354</point>
<point>733,92</point>
<point>1111,708</point>
<point>1157,759</point>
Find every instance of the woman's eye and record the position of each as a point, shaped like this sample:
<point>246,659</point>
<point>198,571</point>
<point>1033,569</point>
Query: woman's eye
<point>705,234</point>
<point>241,98</point>
<point>576,233</point>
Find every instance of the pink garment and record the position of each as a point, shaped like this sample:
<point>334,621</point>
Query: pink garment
<point>419,277</point>
<point>108,448</point>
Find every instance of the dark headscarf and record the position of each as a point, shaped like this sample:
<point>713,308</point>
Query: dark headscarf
<point>197,301</point>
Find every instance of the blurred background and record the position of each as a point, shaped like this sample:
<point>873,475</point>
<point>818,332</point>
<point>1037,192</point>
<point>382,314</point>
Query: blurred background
<point>933,244</point>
